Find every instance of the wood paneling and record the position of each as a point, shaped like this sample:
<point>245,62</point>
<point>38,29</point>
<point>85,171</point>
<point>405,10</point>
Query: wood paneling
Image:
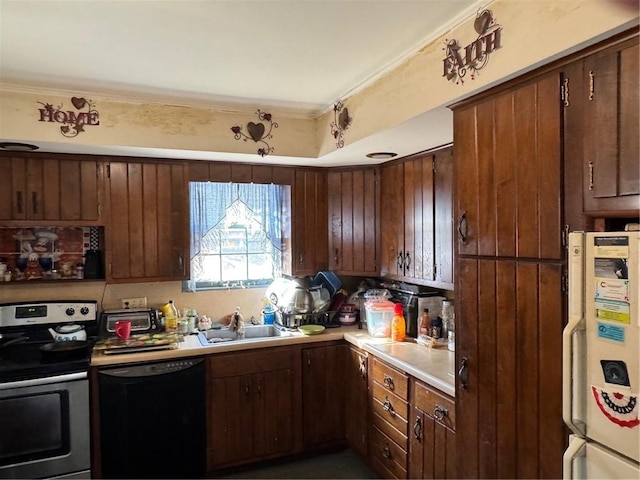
<point>353,221</point>
<point>149,223</point>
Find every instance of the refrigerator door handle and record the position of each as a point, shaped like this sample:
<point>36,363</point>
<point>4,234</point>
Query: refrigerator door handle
<point>576,450</point>
<point>573,340</point>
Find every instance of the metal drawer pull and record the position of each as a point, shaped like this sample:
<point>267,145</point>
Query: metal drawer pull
<point>363,367</point>
<point>462,228</point>
<point>417,428</point>
<point>388,381</point>
<point>388,407</point>
<point>386,453</point>
<point>440,412</point>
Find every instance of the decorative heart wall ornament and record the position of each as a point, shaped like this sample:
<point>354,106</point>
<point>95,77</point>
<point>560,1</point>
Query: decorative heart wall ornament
<point>482,21</point>
<point>341,121</point>
<point>79,102</point>
<point>257,132</point>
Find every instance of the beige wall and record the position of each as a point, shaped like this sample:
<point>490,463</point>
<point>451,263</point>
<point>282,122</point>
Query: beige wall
<point>215,304</point>
<point>534,31</point>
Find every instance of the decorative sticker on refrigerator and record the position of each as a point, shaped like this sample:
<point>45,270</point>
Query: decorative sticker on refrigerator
<point>621,409</point>
<point>612,295</point>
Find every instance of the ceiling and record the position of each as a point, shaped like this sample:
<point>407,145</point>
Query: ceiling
<point>298,55</point>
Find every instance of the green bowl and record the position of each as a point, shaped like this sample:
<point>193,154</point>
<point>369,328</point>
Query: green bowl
<point>311,329</point>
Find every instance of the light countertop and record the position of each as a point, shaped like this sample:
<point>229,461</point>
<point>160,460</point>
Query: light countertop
<point>432,366</point>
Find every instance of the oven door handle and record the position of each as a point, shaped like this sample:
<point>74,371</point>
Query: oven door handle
<point>34,382</point>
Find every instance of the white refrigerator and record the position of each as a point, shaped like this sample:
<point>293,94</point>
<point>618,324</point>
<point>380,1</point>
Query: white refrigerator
<point>601,351</point>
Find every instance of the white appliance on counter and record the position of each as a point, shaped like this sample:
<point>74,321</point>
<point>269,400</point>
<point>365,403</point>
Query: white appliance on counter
<point>601,351</point>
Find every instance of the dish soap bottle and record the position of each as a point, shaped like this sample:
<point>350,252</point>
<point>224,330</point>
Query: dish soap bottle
<point>398,325</point>
<point>425,322</point>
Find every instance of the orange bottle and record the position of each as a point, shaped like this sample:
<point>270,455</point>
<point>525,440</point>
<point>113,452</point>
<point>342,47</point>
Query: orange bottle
<point>398,325</point>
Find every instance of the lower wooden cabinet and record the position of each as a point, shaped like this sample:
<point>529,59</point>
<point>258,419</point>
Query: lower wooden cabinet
<point>432,447</point>
<point>251,403</point>
<point>323,380</point>
<point>357,392</point>
<point>389,414</point>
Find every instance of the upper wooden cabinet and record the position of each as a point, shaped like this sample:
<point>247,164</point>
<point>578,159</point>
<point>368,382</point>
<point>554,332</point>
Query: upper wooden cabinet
<point>416,219</point>
<point>148,234</point>
<point>601,126</point>
<point>308,213</point>
<point>508,160</point>
<point>51,189</point>
<point>353,202</point>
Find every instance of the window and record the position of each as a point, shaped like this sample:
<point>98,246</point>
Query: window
<point>236,234</point>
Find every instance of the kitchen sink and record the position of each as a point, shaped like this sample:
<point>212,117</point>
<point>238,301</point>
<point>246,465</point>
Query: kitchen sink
<point>251,332</point>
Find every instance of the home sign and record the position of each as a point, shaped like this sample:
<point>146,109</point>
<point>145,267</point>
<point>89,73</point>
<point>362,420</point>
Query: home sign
<point>71,122</point>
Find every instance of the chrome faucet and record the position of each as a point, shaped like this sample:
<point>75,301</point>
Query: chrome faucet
<point>237,324</point>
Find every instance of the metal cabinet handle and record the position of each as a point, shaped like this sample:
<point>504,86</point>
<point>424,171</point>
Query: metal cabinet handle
<point>591,176</point>
<point>463,374</point>
<point>462,228</point>
<point>417,428</point>
<point>387,406</point>
<point>592,85</point>
<point>407,260</point>
<point>388,381</point>
<point>363,367</point>
<point>308,359</point>
<point>259,389</point>
<point>440,412</point>
<point>246,388</point>
<point>400,259</point>
<point>386,453</point>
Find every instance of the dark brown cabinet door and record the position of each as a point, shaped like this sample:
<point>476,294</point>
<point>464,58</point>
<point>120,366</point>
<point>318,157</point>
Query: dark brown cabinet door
<point>323,390</point>
<point>432,448</point>
<point>509,300</point>
<point>416,220</point>
<point>443,219</point>
<point>357,394</point>
<point>609,98</point>
<point>148,236</point>
<point>309,252</point>
<point>251,403</point>
<point>508,332</point>
<point>353,199</point>
<point>51,189</point>
<point>507,166</point>
<point>392,220</point>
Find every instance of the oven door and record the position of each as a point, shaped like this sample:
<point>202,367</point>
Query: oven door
<point>45,427</point>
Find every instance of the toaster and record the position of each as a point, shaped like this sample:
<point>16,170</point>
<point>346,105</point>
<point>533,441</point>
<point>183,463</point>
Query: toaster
<point>143,320</point>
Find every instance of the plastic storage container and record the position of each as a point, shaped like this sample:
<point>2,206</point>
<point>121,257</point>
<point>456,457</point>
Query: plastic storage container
<point>379,315</point>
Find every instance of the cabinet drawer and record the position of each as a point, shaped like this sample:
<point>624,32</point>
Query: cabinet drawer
<point>391,378</point>
<point>390,407</point>
<point>388,454</point>
<point>435,404</point>
<point>396,431</point>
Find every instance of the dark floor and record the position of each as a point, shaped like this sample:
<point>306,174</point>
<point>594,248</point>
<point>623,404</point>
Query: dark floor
<point>341,464</point>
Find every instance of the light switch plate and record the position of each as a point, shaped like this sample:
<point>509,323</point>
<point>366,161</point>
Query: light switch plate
<point>134,302</point>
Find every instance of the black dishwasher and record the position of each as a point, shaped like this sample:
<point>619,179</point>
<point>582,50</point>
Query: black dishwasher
<point>152,420</point>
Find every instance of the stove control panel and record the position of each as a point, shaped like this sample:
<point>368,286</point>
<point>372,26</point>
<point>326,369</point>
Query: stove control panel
<point>39,313</point>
